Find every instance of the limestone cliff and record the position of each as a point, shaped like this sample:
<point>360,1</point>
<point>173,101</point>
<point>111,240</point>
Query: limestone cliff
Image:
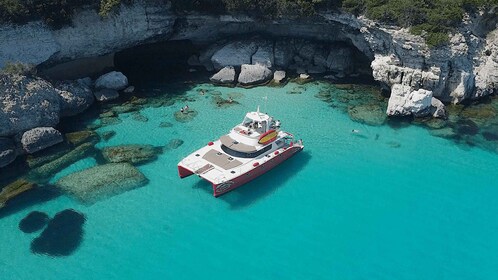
<point>464,69</point>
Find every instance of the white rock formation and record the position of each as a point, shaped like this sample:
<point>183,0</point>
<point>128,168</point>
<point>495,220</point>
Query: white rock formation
<point>254,74</point>
<point>225,76</point>
<point>405,101</point>
<point>279,76</point>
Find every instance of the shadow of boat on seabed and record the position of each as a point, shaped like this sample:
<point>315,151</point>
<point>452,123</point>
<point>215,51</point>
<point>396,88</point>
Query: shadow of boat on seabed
<point>262,186</point>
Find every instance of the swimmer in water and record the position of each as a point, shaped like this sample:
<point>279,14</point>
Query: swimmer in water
<point>355,131</point>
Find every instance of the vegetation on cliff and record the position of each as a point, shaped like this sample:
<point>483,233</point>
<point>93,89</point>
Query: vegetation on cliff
<point>433,19</point>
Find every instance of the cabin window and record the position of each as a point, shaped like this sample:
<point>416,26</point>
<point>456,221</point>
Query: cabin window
<point>238,154</point>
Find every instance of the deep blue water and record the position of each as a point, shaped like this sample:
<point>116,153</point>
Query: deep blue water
<point>385,204</point>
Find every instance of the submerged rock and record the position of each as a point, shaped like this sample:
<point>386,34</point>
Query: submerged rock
<point>79,137</point>
<point>446,133</point>
<point>112,80</point>
<point>490,136</point>
<point>106,95</point>
<point>174,143</point>
<point>185,117</point>
<point>110,121</point>
<point>45,172</point>
<point>34,221</point>
<point>134,154</point>
<point>62,236</point>
<point>254,74</point>
<point>225,76</point>
<point>139,117</point>
<point>467,127</point>
<point>371,114</point>
<point>107,135</point>
<point>165,124</point>
<point>96,183</point>
<point>14,189</point>
<point>40,138</point>
<point>222,103</point>
<point>7,151</point>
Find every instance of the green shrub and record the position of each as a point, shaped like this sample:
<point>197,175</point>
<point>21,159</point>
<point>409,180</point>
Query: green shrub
<point>106,6</point>
<point>19,68</point>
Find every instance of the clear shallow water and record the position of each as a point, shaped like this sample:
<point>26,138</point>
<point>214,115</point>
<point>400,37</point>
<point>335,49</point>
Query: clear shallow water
<point>400,205</point>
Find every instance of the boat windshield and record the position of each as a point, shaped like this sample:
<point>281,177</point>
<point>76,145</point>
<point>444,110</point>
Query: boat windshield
<point>238,154</point>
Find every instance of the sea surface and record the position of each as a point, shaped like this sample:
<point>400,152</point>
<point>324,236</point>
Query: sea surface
<point>384,203</point>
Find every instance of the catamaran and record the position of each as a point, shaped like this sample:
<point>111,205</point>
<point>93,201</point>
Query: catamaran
<point>249,150</point>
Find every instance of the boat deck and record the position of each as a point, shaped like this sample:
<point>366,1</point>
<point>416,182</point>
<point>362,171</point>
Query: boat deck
<point>221,159</point>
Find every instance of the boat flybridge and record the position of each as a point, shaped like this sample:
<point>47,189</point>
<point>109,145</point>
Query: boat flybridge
<point>250,149</point>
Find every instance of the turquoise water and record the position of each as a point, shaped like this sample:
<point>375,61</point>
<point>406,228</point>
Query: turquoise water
<point>386,204</point>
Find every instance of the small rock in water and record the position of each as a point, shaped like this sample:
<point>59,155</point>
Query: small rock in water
<point>304,76</point>
<point>175,143</point>
<point>489,136</point>
<point>467,127</point>
<point>297,90</point>
<point>80,137</point>
<point>34,221</point>
<point>62,236</point>
<point>125,108</point>
<point>185,117</point>
<point>165,124</point>
<point>108,114</point>
<point>134,154</point>
<point>394,144</point>
<point>108,135</point>
<point>109,121</point>
<point>139,117</point>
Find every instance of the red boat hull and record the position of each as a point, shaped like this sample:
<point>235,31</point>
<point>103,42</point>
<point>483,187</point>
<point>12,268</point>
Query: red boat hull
<point>219,189</point>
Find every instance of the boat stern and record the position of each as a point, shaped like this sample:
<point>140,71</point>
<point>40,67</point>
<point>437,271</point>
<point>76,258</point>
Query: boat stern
<point>184,171</point>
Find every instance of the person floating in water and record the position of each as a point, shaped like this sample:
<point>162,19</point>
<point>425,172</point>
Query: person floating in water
<point>355,131</point>
<point>230,99</point>
<point>184,109</point>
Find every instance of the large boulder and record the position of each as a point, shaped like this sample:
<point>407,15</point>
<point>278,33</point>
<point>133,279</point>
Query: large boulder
<point>26,103</point>
<point>93,184</point>
<point>134,154</point>
<point>405,101</point>
<point>254,74</point>
<point>264,54</point>
<point>76,97</point>
<point>112,80</point>
<point>225,76</point>
<point>234,54</point>
<point>438,110</point>
<point>40,138</point>
<point>7,151</point>
<point>106,95</point>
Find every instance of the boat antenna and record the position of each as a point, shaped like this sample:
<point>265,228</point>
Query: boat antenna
<point>266,102</point>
